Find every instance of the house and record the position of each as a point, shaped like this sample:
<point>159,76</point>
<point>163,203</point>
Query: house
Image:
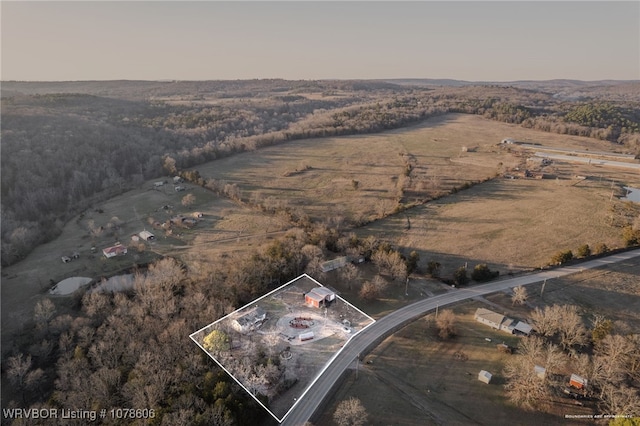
<point>197,215</point>
<point>66,259</point>
<point>158,184</point>
<point>577,382</point>
<point>177,179</point>
<point>484,376</point>
<point>250,320</point>
<point>113,251</point>
<point>508,141</point>
<point>147,236</point>
<point>179,188</point>
<point>319,296</point>
<point>494,320</point>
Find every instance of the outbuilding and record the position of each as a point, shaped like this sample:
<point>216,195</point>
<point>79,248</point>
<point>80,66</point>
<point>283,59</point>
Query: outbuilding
<point>306,336</point>
<point>540,372</point>
<point>485,376</point>
<point>523,328</point>
<point>147,236</point>
<point>577,382</point>
<point>319,296</point>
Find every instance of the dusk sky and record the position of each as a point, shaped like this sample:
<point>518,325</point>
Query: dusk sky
<point>478,41</point>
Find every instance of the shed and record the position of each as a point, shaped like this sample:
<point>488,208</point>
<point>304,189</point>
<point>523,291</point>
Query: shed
<point>332,264</point>
<point>313,299</point>
<point>158,184</point>
<point>577,382</point>
<point>147,236</point>
<point>485,376</point>
<point>305,336</point>
<point>319,296</point>
<point>540,372</point>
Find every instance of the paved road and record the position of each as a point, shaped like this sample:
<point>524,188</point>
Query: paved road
<point>319,390</point>
<point>591,161</point>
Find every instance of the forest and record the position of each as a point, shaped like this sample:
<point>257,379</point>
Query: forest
<point>67,146</point>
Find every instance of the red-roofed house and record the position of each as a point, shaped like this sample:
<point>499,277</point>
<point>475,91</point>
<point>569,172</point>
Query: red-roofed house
<point>116,250</point>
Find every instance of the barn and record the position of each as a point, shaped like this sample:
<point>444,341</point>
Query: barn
<point>319,296</point>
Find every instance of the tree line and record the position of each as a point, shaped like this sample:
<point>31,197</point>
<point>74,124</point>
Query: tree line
<point>63,152</point>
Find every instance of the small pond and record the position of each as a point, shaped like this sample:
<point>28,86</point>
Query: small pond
<point>114,284</point>
<point>69,285</point>
<point>633,194</point>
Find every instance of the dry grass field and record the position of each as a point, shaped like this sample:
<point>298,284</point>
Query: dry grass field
<point>317,175</point>
<point>510,224</point>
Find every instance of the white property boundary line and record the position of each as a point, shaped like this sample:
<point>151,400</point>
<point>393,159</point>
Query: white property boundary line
<point>317,376</point>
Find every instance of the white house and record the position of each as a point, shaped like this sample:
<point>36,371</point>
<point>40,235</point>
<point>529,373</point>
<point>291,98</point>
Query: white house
<point>494,320</point>
<point>249,320</point>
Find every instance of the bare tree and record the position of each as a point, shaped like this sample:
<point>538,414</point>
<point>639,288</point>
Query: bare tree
<point>188,200</point>
<point>350,273</point>
<point>446,324</point>
<point>524,387</point>
<point>350,412</point>
<point>519,295</point>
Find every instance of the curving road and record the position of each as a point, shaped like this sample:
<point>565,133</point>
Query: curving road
<point>320,388</point>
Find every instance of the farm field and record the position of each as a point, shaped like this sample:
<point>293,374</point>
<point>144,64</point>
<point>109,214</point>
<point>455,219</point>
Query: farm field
<point>509,224</point>
<point>420,379</point>
<point>317,175</point>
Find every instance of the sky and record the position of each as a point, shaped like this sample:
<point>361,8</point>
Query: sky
<point>304,40</point>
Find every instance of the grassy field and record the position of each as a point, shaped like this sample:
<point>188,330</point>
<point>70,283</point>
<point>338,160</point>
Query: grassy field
<point>317,175</point>
<point>414,378</point>
<point>510,224</point>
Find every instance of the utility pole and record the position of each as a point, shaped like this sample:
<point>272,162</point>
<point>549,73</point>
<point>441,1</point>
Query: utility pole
<point>437,311</point>
<point>543,284</point>
<point>406,287</point>
<point>357,363</point>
